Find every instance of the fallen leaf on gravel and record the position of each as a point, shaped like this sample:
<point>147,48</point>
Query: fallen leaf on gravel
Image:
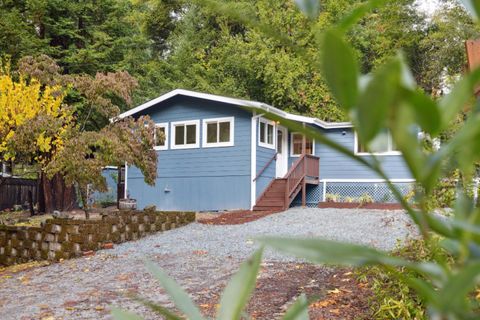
<point>70,308</point>
<point>43,306</point>
<point>335,311</point>
<point>347,273</point>
<point>86,270</point>
<point>323,304</point>
<point>334,291</point>
<point>200,252</point>
<point>99,308</point>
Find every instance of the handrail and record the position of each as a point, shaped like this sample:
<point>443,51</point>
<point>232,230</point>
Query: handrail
<point>297,174</point>
<point>266,166</point>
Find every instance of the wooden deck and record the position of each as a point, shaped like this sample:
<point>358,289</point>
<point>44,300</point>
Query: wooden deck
<point>280,193</point>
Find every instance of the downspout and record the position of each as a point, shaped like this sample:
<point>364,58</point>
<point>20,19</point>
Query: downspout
<point>125,193</point>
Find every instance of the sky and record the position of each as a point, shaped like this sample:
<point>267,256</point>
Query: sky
<point>428,5</point>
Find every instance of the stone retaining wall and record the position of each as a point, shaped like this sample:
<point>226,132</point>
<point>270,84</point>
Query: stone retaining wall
<point>64,239</point>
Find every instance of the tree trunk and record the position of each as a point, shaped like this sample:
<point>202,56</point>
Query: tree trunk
<point>84,196</point>
<point>54,194</point>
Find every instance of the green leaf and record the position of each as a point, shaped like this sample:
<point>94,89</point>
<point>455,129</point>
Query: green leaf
<point>310,8</point>
<point>379,96</point>
<point>358,13</point>
<point>299,310</point>
<point>166,313</point>
<point>119,314</point>
<point>336,253</point>
<point>340,69</point>
<point>238,290</point>
<point>454,292</point>
<point>329,252</point>
<point>426,112</point>
<point>473,7</point>
<point>179,296</point>
<point>458,98</point>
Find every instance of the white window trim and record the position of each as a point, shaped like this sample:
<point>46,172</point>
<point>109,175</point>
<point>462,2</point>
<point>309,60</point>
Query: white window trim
<point>264,144</point>
<point>291,146</point>
<point>185,146</point>
<point>387,153</point>
<point>161,125</point>
<point>230,143</point>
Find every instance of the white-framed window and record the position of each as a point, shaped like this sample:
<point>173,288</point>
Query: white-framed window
<point>296,144</point>
<point>382,145</point>
<point>185,134</point>
<point>266,133</point>
<point>218,132</point>
<point>161,130</point>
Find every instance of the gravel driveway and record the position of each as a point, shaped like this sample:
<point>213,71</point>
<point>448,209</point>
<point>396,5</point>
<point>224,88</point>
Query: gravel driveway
<point>200,257</point>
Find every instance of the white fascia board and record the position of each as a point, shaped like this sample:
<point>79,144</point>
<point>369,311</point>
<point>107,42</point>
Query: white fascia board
<point>238,102</point>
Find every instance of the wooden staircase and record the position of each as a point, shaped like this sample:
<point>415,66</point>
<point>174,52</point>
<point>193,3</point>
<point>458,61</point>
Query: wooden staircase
<point>280,193</point>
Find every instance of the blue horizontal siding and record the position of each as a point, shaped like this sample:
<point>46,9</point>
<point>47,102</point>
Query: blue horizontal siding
<point>193,193</point>
<point>201,178</point>
<point>334,165</point>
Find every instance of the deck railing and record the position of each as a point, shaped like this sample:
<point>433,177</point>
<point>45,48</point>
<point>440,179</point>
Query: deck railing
<point>305,166</point>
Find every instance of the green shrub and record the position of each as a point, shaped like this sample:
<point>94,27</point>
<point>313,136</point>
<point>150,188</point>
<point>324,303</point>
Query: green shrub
<point>392,297</point>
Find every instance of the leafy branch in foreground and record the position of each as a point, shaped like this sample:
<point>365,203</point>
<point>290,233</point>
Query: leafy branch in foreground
<point>388,99</point>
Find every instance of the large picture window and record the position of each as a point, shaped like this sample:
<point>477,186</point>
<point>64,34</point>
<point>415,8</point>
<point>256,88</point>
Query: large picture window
<point>296,144</point>
<point>266,134</point>
<point>382,145</point>
<point>160,136</point>
<point>218,132</point>
<point>185,134</point>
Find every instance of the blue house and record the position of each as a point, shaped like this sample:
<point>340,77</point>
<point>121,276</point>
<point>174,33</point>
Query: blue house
<point>222,153</point>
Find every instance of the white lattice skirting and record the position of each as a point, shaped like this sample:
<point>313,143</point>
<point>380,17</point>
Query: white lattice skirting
<point>351,190</point>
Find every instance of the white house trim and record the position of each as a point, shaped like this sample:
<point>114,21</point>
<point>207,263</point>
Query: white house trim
<point>125,192</point>
<point>253,161</point>
<point>389,153</point>
<point>274,133</point>
<point>367,180</point>
<point>161,125</point>
<point>238,102</point>
<point>230,143</point>
<point>291,146</point>
<point>185,146</point>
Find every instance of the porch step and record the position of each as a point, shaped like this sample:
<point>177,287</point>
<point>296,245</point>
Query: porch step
<point>266,208</point>
<point>276,196</point>
<point>271,202</point>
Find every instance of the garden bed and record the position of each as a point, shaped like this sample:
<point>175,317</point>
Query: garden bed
<point>357,205</point>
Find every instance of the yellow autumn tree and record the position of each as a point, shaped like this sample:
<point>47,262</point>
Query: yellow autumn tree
<point>33,118</point>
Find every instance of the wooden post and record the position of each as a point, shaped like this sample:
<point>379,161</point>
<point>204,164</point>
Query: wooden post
<point>304,143</point>
<point>473,57</point>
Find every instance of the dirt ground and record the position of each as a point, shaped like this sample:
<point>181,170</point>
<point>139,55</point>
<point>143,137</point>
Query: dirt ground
<point>233,217</point>
<point>332,293</point>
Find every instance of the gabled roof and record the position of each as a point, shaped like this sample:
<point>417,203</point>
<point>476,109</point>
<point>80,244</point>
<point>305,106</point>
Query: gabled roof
<point>239,102</point>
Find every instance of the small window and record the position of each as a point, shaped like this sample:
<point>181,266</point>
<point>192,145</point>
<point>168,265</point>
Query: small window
<point>266,134</point>
<point>296,143</point>
<point>382,145</point>
<point>218,132</point>
<point>160,136</point>
<point>185,134</point>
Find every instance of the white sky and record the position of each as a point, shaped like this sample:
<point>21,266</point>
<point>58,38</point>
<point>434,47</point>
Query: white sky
<point>428,5</point>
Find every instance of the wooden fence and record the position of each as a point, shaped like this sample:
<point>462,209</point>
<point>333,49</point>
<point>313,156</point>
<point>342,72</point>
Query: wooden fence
<point>15,191</point>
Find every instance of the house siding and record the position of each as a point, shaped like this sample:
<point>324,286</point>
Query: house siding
<point>334,165</point>
<point>264,155</point>
<point>199,179</point>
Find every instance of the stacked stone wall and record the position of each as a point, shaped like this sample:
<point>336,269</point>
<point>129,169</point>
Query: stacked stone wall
<point>64,238</point>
